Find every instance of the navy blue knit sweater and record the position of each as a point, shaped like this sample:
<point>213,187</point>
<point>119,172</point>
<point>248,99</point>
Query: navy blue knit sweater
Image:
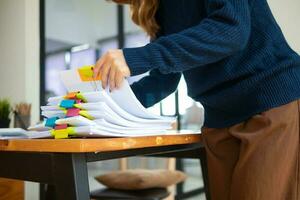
<point>232,54</point>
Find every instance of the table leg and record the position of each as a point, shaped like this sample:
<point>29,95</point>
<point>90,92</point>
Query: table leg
<point>70,177</point>
<point>204,170</point>
<point>47,192</point>
<point>180,167</point>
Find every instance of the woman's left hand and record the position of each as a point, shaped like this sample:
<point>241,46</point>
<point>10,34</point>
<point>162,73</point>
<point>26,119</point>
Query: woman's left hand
<point>112,68</point>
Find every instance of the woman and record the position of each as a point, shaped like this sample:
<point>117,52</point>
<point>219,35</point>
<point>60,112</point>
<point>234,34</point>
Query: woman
<point>237,63</point>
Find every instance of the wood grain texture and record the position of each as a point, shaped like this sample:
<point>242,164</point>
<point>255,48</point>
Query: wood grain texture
<point>96,145</point>
<point>11,189</point>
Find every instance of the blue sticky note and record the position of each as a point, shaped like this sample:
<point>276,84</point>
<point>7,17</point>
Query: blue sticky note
<point>67,103</point>
<point>50,122</point>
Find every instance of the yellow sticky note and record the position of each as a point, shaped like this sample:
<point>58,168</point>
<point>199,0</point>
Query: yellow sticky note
<point>61,108</point>
<point>71,130</point>
<point>78,106</point>
<point>81,97</point>
<point>60,134</point>
<point>86,73</point>
<point>84,113</point>
<point>52,132</point>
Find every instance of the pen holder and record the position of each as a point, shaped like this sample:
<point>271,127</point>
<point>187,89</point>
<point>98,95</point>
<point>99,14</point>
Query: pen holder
<point>21,121</point>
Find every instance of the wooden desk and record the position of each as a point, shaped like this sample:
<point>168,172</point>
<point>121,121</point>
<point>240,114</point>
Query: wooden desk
<point>63,163</point>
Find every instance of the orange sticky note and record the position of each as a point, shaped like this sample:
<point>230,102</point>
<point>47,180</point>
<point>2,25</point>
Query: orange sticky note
<point>71,95</point>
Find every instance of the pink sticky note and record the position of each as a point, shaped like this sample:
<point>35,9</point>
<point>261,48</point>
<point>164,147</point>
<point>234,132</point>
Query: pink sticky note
<point>61,126</point>
<point>73,112</point>
<point>78,101</point>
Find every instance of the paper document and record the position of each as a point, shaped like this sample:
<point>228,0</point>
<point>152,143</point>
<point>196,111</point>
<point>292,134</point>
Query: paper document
<point>123,96</point>
<point>12,133</point>
<point>89,111</point>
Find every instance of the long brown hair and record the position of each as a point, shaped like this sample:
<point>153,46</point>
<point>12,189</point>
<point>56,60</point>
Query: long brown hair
<point>143,14</point>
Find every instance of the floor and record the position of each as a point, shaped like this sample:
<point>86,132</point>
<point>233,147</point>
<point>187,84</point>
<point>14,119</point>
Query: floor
<point>192,168</point>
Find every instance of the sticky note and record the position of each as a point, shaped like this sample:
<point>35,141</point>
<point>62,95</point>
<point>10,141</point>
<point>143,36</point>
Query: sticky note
<point>63,109</point>
<point>67,103</point>
<point>71,112</point>
<point>71,95</point>
<point>60,134</point>
<point>81,97</point>
<point>86,114</point>
<point>71,130</point>
<point>78,101</point>
<point>61,126</point>
<point>78,106</point>
<point>86,73</point>
<point>50,122</point>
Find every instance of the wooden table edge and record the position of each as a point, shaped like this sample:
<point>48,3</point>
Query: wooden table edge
<point>88,145</point>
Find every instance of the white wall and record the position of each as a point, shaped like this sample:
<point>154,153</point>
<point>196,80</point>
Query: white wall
<point>12,45</point>
<point>19,59</point>
<point>19,47</point>
<point>288,16</point>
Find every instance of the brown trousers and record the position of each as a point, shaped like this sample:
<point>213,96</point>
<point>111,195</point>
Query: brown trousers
<point>257,159</point>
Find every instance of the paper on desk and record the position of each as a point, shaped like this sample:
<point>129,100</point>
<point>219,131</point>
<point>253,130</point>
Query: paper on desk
<point>111,118</point>
<point>103,122</point>
<point>54,113</point>
<point>12,133</point>
<point>123,96</point>
<point>72,81</point>
<point>75,121</point>
<point>97,99</point>
<point>100,131</point>
<point>97,131</point>
<point>126,99</point>
<point>39,127</point>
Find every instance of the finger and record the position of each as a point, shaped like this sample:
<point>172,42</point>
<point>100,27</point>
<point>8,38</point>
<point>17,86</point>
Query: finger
<point>104,73</point>
<point>98,65</point>
<point>119,80</point>
<point>111,78</point>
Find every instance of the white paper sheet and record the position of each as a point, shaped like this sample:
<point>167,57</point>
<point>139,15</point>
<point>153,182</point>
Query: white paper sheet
<point>116,114</point>
<point>94,131</point>
<point>39,127</point>
<point>104,123</point>
<point>89,96</point>
<point>98,97</point>
<point>107,114</point>
<point>12,133</point>
<point>76,121</point>
<point>53,113</point>
<point>73,83</point>
<point>124,97</point>
<point>39,135</point>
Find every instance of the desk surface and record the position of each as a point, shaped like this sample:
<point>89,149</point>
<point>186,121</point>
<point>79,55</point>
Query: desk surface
<point>96,144</point>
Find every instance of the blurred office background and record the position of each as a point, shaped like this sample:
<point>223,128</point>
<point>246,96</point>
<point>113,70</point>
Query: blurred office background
<point>38,38</point>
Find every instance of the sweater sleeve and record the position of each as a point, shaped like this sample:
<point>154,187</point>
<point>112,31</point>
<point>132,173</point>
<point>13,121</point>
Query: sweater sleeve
<point>224,31</point>
<point>155,87</point>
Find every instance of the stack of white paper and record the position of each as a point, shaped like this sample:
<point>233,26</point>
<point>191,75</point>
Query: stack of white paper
<point>100,113</point>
